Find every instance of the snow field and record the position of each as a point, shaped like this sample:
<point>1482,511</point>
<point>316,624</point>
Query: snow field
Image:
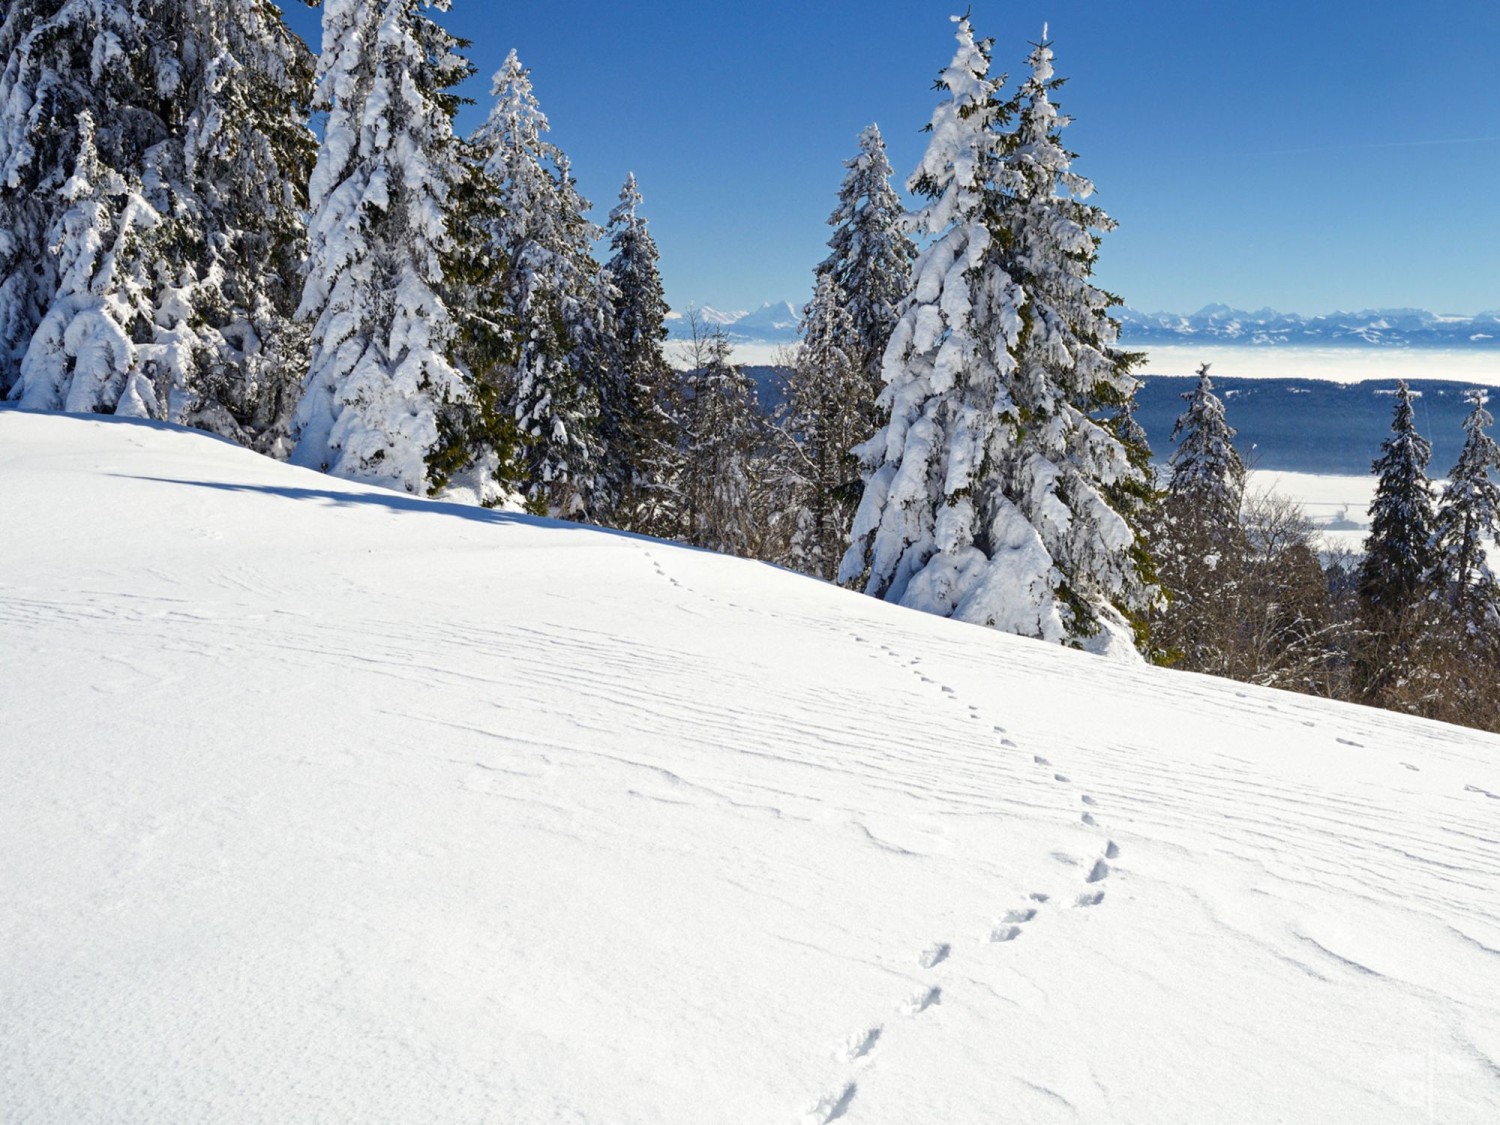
<point>321,803</point>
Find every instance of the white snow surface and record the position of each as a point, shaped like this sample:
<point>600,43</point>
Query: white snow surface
<point>320,803</point>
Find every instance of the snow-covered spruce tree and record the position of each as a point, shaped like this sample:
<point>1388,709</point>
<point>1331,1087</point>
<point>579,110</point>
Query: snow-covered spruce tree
<point>1399,552</point>
<point>652,420</point>
<point>233,196</point>
<point>200,111</point>
<point>1072,381</point>
<point>382,332</point>
<point>1208,476</point>
<point>1199,543</point>
<point>985,497</point>
<point>552,296</point>
<point>1467,515</point>
<point>871,259</point>
<point>1388,667</point>
<point>822,423</point>
<point>721,439</point>
<point>81,357</point>
<point>63,59</point>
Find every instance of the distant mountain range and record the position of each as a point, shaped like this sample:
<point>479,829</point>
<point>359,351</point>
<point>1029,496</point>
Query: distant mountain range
<point>1399,328</point>
<point>775,322</point>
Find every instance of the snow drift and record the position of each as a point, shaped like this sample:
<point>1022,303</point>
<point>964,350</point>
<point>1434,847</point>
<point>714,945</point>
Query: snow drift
<point>321,803</point>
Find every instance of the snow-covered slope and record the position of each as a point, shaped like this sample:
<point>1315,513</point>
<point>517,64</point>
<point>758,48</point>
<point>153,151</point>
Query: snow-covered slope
<point>321,804</point>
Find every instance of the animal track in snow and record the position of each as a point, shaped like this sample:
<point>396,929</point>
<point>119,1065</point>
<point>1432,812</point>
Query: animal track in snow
<point>1091,898</point>
<point>1007,742</point>
<point>1059,777</point>
<point>1349,742</point>
<point>1039,760</point>
<point>948,690</point>
<point>918,1002</point>
<point>1411,767</point>
<point>860,1043</point>
<point>830,1107</point>
<point>1098,873</point>
<point>1111,850</point>
<point>934,954</point>
<point>1482,792</point>
<point>1009,927</point>
<point>1087,800</point>
<point>1037,896</point>
<point>1088,818</point>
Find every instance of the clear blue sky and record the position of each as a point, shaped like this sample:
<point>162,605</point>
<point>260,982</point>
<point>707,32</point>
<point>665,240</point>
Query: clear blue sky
<point>1303,156</point>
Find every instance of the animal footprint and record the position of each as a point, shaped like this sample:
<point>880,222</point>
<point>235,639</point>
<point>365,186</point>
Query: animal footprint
<point>1087,800</point>
<point>860,1043</point>
<point>1092,898</point>
<point>1111,850</point>
<point>1098,873</point>
<point>934,954</point>
<point>1039,760</point>
<point>1010,926</point>
<point>1088,818</point>
<point>1037,896</point>
<point>1059,777</point>
<point>918,1002</point>
<point>831,1106</point>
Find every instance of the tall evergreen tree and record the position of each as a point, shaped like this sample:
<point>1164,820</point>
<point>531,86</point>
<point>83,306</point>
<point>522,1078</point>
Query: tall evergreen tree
<point>1399,553</point>
<point>1469,514</point>
<point>1208,476</point>
<point>1390,663</point>
<point>871,260</point>
<point>1068,460</point>
<point>233,240</point>
<point>986,495</point>
<point>382,332</point>
<point>553,296</point>
<point>1200,545</point>
<point>82,357</point>
<point>823,423</point>
<point>652,419</point>
<point>199,113</point>
<point>61,59</point>
<point>721,437</point>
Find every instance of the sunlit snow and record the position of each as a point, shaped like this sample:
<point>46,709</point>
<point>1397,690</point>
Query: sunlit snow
<point>320,803</point>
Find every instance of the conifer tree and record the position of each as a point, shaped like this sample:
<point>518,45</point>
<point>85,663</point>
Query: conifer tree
<point>1208,476</point>
<point>233,240</point>
<point>823,423</point>
<point>382,332</point>
<point>986,496</point>
<point>1399,553</point>
<point>199,111</point>
<point>652,405</point>
<point>1467,515</point>
<point>721,437</point>
<point>1200,545</point>
<point>1389,662</point>
<point>1068,461</point>
<point>871,260</point>
<point>81,357</point>
<point>553,296</point>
